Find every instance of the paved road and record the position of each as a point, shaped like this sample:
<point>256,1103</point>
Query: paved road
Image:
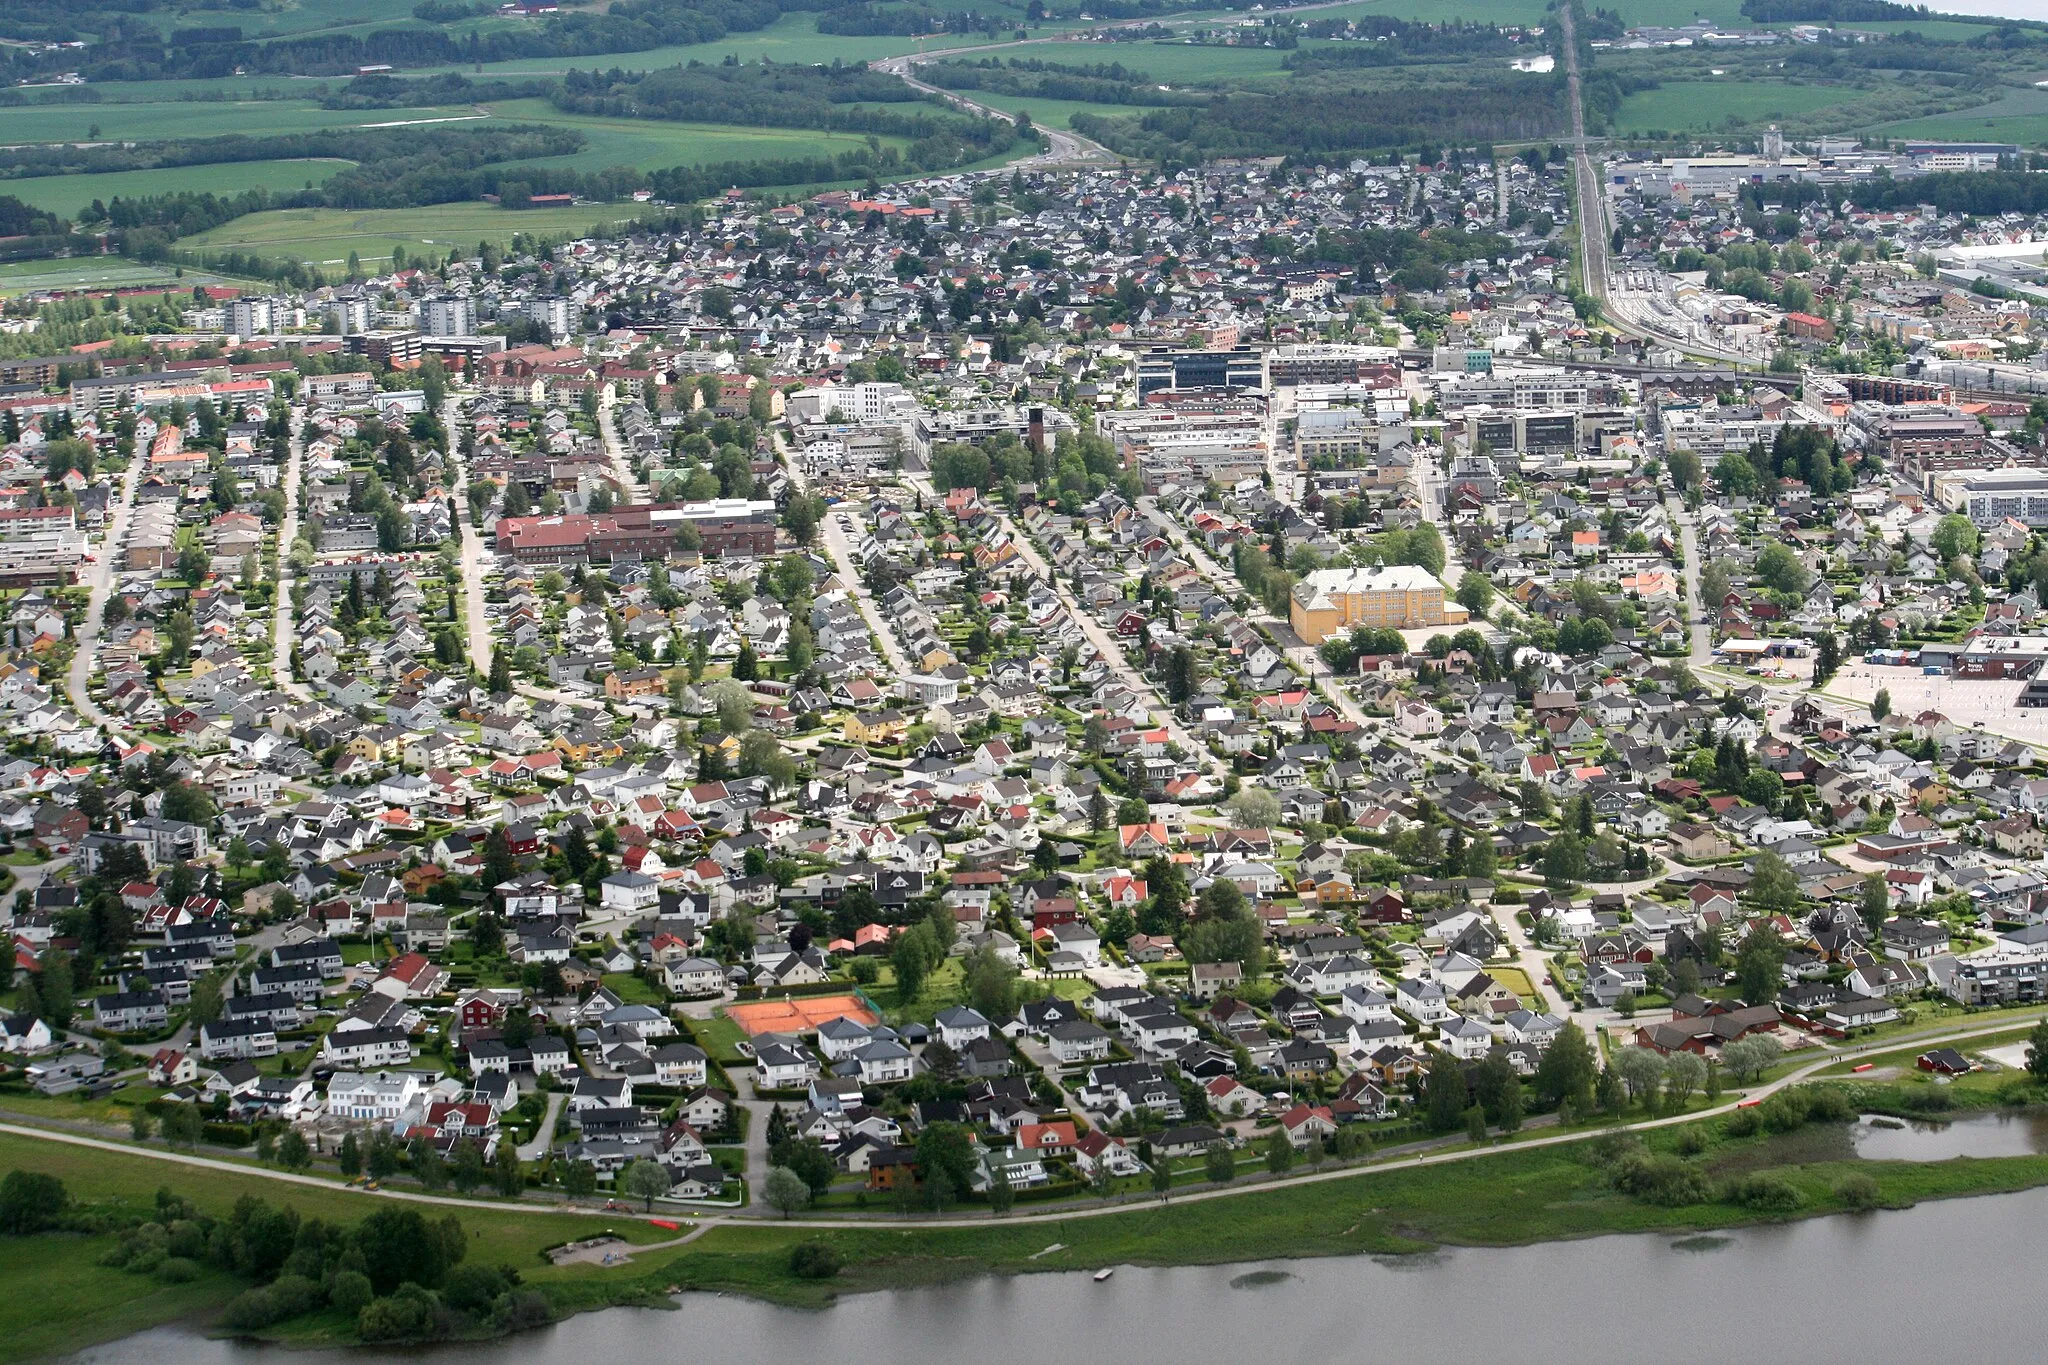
<point>1063,148</point>
<point>1699,632</point>
<point>282,631</point>
<point>101,577</point>
<point>839,545</point>
<point>544,1136</point>
<point>622,467</point>
<point>472,548</point>
<point>1093,631</point>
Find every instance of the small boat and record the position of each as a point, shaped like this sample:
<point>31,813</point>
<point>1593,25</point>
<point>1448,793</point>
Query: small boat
<point>1104,1273</point>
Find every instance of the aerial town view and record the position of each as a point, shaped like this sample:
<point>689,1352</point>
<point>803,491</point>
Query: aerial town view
<point>966,684</point>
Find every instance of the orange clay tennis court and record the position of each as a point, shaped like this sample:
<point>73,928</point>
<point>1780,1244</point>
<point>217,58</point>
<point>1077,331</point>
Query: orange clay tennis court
<point>798,1016</point>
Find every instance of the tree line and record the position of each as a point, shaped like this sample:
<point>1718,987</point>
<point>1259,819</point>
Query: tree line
<point>1336,122</point>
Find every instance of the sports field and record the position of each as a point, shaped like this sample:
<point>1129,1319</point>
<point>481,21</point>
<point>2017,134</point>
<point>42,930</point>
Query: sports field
<point>1691,106</point>
<point>801,1014</point>
<point>67,194</point>
<point>92,272</point>
<point>325,237</point>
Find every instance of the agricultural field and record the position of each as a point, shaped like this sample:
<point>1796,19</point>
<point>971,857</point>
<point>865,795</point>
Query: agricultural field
<point>647,144</point>
<point>1437,11</point>
<point>67,194</point>
<point>1172,63</point>
<point>165,119</point>
<point>325,237</point>
<point>1698,106</point>
<point>1053,113</point>
<point>302,17</point>
<point>2021,117</point>
<point>792,38</point>
<point>1935,30</point>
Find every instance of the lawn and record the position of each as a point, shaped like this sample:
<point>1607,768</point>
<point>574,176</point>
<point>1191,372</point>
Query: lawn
<point>2020,117</point>
<point>327,236</point>
<point>648,144</point>
<point>67,194</point>
<point>1681,106</point>
<point>102,1304</point>
<point>720,1037</point>
<point>99,1304</point>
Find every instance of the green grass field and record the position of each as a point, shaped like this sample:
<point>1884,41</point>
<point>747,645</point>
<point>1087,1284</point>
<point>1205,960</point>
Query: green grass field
<point>92,272</point>
<point>67,194</point>
<point>2020,117</point>
<point>1438,11</point>
<point>100,1304</point>
<point>1173,63</point>
<point>327,236</point>
<point>192,118</point>
<point>647,144</point>
<point>1688,106</point>
<point>1933,30</point>
<point>1053,113</point>
<point>298,17</point>
<point>792,38</point>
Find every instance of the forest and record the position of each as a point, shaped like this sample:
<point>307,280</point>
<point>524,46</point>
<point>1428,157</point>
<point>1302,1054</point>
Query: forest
<point>1329,122</point>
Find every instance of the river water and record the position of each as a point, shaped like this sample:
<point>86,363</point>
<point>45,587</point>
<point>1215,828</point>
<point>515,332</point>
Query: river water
<point>1958,1279</point>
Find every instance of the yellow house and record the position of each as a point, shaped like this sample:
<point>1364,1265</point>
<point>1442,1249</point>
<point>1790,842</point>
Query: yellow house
<point>1397,596</point>
<point>935,658</point>
<point>877,727</point>
<point>367,746</point>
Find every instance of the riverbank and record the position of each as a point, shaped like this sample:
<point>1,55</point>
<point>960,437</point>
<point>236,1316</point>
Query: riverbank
<point>1830,1284</point>
<point>1739,1167</point>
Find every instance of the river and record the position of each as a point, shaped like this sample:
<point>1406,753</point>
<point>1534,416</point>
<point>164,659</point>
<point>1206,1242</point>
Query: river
<point>1859,1289</point>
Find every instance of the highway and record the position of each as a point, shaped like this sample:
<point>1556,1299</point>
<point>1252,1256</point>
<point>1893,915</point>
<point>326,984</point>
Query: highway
<point>1063,148</point>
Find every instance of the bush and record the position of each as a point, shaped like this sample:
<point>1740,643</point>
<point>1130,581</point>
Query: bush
<point>523,1309</point>
<point>178,1270</point>
<point>1857,1191</point>
<point>1742,1123</point>
<point>1691,1141</point>
<point>351,1292</point>
<point>1783,1112</point>
<point>813,1261</point>
<point>31,1202</point>
<point>286,1298</point>
<point>1764,1192</point>
<point>1662,1179</point>
<point>407,1315</point>
<point>473,1288</point>
<point>1827,1104</point>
